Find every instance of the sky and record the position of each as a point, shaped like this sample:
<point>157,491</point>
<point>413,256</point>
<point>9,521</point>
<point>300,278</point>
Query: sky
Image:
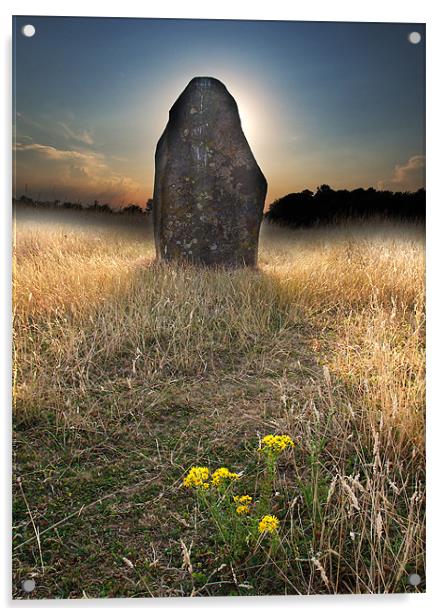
<point>320,103</point>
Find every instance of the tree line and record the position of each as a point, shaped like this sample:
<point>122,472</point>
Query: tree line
<point>300,209</point>
<point>95,206</point>
<point>326,205</point>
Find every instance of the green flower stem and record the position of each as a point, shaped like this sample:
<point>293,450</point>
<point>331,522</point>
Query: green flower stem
<point>214,514</point>
<point>265,500</point>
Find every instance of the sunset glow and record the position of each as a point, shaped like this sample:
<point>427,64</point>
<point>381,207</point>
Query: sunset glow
<point>92,99</point>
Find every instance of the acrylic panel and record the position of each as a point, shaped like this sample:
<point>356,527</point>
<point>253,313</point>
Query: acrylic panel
<point>218,301</point>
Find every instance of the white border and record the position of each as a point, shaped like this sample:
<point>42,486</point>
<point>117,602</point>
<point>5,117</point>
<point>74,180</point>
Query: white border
<point>428,11</point>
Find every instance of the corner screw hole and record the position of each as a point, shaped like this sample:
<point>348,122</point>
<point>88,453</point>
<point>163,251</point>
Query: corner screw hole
<point>414,38</point>
<point>414,579</point>
<point>28,30</point>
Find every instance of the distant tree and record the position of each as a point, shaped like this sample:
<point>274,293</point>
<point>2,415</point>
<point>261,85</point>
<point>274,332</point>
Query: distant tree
<point>132,208</point>
<point>323,188</point>
<point>328,206</point>
<point>100,207</point>
<point>27,200</point>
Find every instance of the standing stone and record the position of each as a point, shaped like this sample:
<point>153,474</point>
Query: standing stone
<point>209,192</point>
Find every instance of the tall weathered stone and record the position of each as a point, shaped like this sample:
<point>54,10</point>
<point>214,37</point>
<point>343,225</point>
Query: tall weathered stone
<point>209,192</point>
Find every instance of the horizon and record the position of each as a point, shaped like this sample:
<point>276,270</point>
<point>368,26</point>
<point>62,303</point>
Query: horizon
<point>24,198</point>
<point>88,116</point>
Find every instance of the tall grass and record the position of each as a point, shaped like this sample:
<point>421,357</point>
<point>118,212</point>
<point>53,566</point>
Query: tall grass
<point>325,342</point>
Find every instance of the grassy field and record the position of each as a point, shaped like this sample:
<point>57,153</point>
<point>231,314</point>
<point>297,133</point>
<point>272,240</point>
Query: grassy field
<point>126,373</point>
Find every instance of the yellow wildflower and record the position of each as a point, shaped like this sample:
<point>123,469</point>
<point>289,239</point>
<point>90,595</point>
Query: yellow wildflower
<point>243,500</point>
<point>222,474</point>
<point>268,524</point>
<point>275,443</point>
<point>197,477</point>
<point>242,509</point>
<point>243,504</point>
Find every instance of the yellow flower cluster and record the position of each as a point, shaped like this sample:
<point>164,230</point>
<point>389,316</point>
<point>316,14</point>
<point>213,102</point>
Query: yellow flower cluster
<point>268,524</point>
<point>222,474</point>
<point>243,504</point>
<point>242,510</point>
<point>197,477</point>
<point>275,443</point>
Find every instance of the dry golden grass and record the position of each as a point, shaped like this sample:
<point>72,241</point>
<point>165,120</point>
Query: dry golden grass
<point>366,286</point>
<point>168,366</point>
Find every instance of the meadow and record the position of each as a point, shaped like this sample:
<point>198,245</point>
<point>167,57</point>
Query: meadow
<point>127,373</point>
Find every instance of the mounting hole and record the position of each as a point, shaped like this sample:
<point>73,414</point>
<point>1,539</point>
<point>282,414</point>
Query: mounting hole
<point>414,38</point>
<point>28,30</point>
<point>28,585</point>
<point>414,579</point>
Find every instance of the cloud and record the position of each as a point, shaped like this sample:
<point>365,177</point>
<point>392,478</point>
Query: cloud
<point>48,151</point>
<point>408,176</point>
<point>83,136</point>
<point>78,172</point>
<point>62,130</point>
<point>85,175</point>
<point>414,168</point>
<point>58,158</point>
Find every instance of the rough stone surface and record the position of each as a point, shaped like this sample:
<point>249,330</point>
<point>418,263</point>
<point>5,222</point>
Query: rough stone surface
<point>209,192</point>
